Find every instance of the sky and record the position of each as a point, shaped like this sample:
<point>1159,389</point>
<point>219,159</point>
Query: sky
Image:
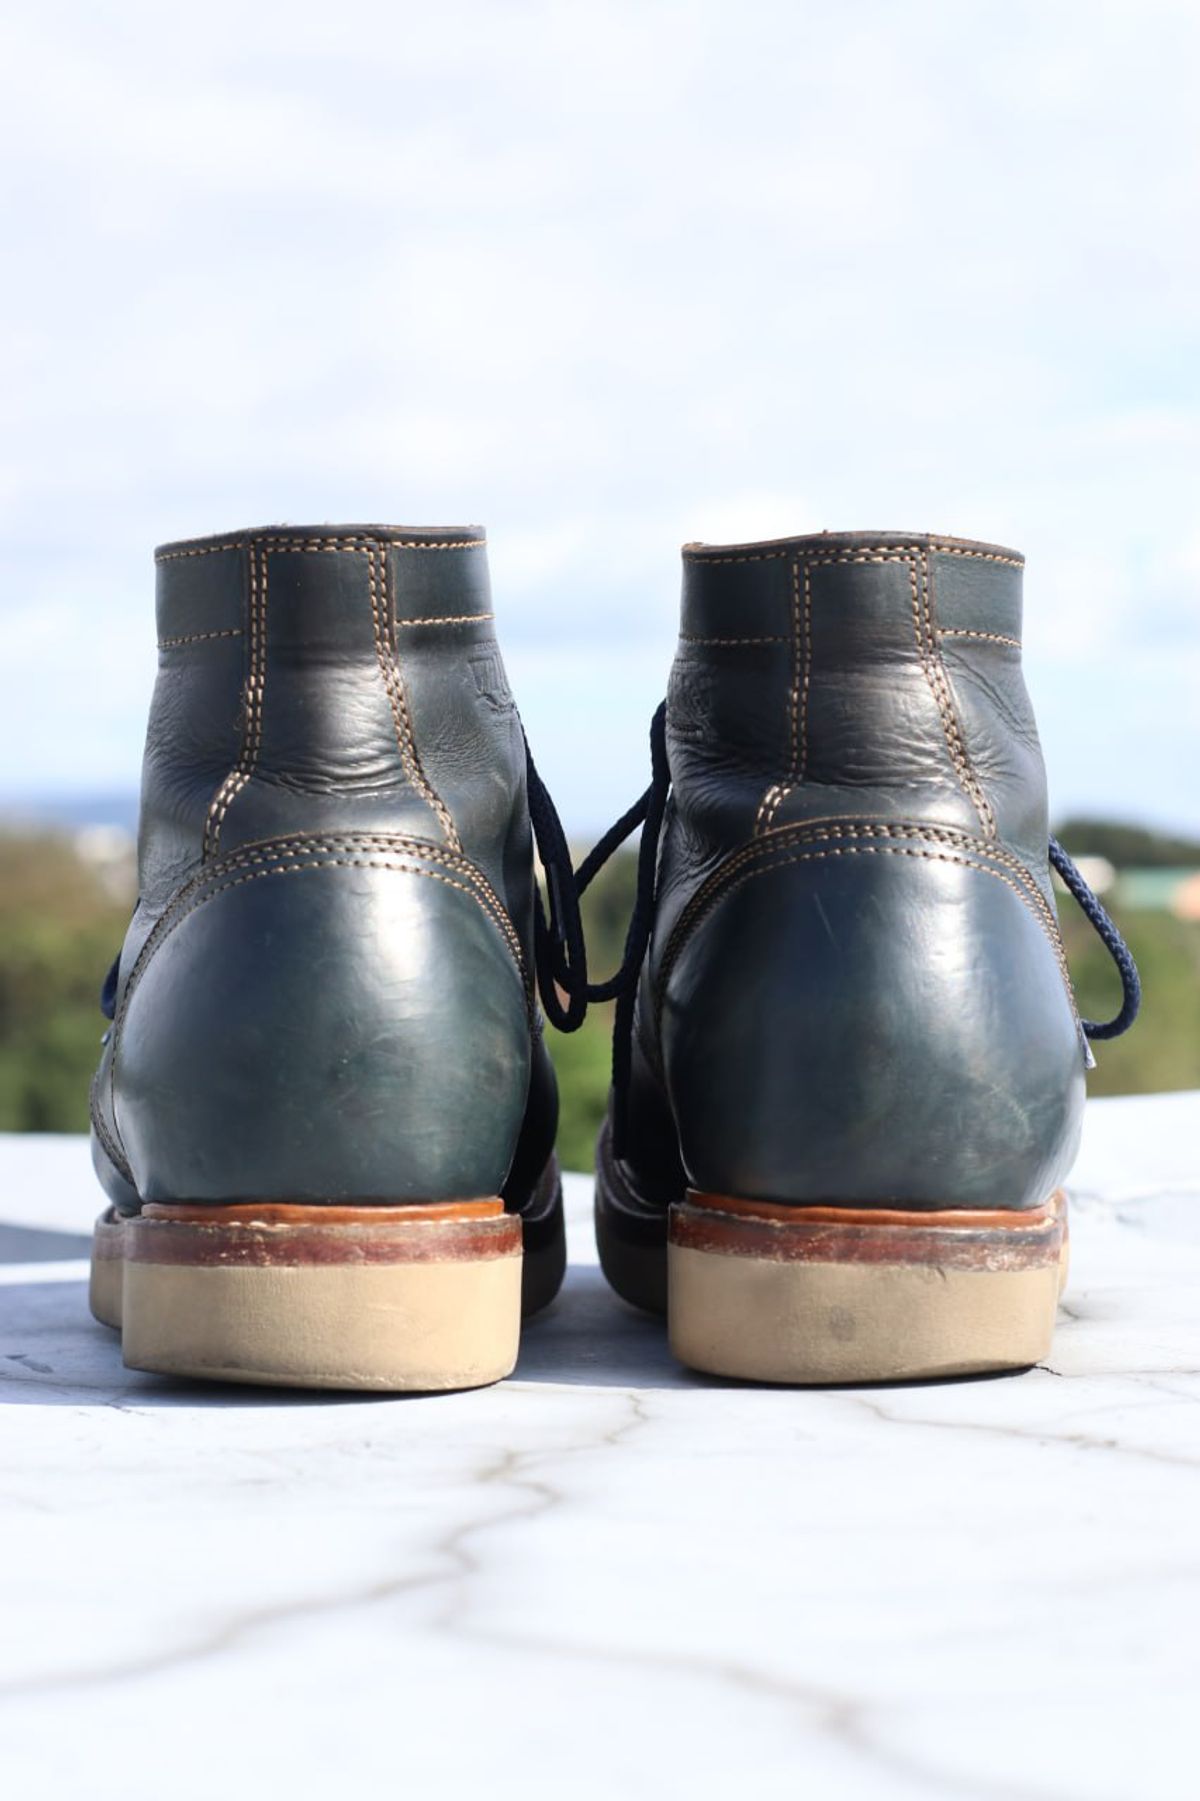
<point>606,277</point>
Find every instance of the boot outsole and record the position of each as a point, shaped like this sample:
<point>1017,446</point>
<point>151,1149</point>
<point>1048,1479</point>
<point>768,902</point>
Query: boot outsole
<point>811,1295</point>
<point>406,1298</point>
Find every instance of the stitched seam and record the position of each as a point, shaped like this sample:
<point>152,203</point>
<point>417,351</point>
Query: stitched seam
<point>866,552</point>
<point>115,1152</point>
<point>359,845</point>
<point>797,697</point>
<point>448,619</point>
<point>394,685</point>
<point>212,889</point>
<point>208,890</point>
<point>767,807</point>
<point>939,686</point>
<point>758,556</point>
<point>699,638</point>
<point>675,946</point>
<point>957,631</point>
<point>390,841</point>
<point>815,829</point>
<point>233,631</point>
<point>239,775</point>
<point>210,550</point>
<point>979,556</point>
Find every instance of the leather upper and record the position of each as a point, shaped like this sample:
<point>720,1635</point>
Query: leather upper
<point>326,990</point>
<point>856,989</point>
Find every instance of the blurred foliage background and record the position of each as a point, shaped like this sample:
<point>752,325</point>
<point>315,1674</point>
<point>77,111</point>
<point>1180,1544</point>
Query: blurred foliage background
<point>65,898</point>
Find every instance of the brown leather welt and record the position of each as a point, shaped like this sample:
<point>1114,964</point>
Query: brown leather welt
<point>108,1238</point>
<point>317,1213</point>
<point>988,1249</point>
<point>260,1245</point>
<point>785,1213</point>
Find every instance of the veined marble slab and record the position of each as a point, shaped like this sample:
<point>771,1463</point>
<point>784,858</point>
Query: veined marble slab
<point>608,1578</point>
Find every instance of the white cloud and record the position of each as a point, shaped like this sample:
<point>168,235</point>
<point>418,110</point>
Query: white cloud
<point>605,276</point>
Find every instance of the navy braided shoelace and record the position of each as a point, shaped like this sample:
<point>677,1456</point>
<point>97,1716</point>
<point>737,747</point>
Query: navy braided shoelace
<point>560,952</point>
<point>562,958</point>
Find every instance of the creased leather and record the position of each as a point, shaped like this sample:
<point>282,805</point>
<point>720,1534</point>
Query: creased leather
<point>326,990</point>
<point>855,990</point>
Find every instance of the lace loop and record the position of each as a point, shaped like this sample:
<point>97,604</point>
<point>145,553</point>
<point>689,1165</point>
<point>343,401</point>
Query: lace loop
<point>1114,944</point>
<point>559,951</point>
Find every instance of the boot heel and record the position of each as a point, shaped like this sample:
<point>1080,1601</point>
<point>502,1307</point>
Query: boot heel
<point>403,1298</point>
<point>837,1294</point>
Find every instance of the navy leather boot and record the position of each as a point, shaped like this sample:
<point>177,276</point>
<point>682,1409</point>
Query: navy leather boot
<point>324,1115</point>
<point>853,1081</point>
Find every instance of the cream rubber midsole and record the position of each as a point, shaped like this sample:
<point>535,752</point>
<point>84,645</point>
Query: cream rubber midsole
<point>855,1304</point>
<point>312,1309</point>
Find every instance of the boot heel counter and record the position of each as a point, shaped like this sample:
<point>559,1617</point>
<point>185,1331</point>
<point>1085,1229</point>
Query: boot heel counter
<point>325,1022</point>
<point>874,1022</point>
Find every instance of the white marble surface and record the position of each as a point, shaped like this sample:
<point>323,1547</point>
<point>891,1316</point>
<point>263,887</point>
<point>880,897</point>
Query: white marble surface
<point>607,1578</point>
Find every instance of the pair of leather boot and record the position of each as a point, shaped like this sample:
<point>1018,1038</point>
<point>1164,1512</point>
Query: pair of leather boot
<point>848,1062</point>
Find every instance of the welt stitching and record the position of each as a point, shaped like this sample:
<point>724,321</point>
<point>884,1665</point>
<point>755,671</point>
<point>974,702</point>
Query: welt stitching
<point>817,829</point>
<point>394,685</point>
<point>719,892</point>
<point>958,631</point>
<point>233,631</point>
<point>208,890</point>
<point>210,550</point>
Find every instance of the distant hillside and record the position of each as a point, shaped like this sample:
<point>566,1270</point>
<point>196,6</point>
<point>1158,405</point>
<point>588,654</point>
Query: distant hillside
<point>68,811</point>
<point>1128,846</point>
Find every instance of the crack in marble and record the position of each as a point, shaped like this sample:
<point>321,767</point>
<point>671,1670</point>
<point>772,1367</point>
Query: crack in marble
<point>232,1633</point>
<point>1079,1441</point>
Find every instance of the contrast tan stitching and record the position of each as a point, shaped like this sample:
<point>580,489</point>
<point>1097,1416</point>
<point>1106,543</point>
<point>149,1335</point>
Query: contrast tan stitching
<point>700,638</point>
<point>209,550</point>
<point>865,552</point>
<point>957,631</point>
<point>980,556</point>
<point>939,685</point>
<point>204,550</point>
<point>448,619</point>
<point>355,844</point>
<point>115,1152</point>
<point>757,556</point>
<point>797,698</point>
<point>239,776</point>
<point>767,807</point>
<point>394,684</point>
<point>719,889</point>
<point>351,844</point>
<point>204,888</point>
<point>839,829</point>
<point>233,631</point>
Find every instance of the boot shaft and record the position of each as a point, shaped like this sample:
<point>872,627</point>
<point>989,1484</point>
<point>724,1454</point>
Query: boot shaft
<point>330,679</point>
<point>872,675</point>
<point>856,991</point>
<point>327,987</point>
